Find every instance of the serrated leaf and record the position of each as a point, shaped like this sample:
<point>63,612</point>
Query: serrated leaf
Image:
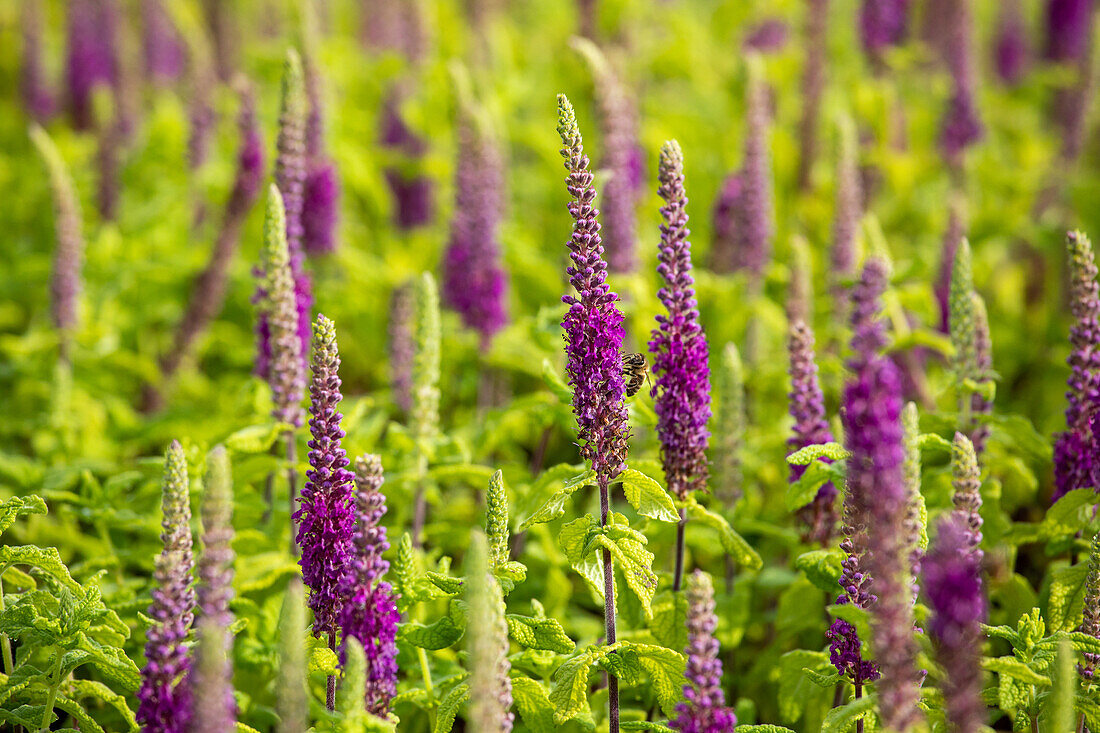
<point>761,729</point>
<point>827,680</point>
<point>554,507</point>
<point>647,496</point>
<point>733,543</point>
<point>439,635</point>
<point>669,625</point>
<point>533,705</point>
<point>1068,515</point>
<point>450,586</point>
<point>1067,597</point>
<point>539,633</point>
<point>570,693</point>
<point>822,568</point>
<point>809,454</point>
<point>802,492</point>
<point>449,707</point>
<point>666,672</point>
<point>46,560</point>
<point>644,725</point>
<point>256,438</point>
<point>1014,668</point>
<point>19,506</point>
<point>935,442</point>
<point>635,562</point>
<point>81,689</point>
<point>322,660</point>
<point>843,718</point>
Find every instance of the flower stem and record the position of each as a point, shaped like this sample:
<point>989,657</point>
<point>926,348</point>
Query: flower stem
<point>1081,723</point>
<point>426,673</point>
<point>292,487</point>
<point>858,694</point>
<point>678,574</point>
<point>609,610</point>
<point>51,697</point>
<point>330,691</point>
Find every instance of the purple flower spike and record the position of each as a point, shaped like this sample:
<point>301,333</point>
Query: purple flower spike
<point>402,348</point>
<point>952,582</point>
<point>807,406</point>
<point>882,24</point>
<point>164,697</point>
<point>369,613</point>
<point>412,191</point>
<point>593,325</point>
<point>320,208</point>
<point>326,516</point>
<point>723,254</point>
<point>1074,450</point>
<point>769,36</point>
<point>164,51</point>
<point>967,484</point>
<point>215,707</point>
<point>38,99</point>
<point>876,481</point>
<point>474,282</point>
<point>208,294</point>
<point>754,218</point>
<point>845,651</point>
<point>90,59</point>
<point>678,345</point>
<point>960,127</point>
<point>705,710</point>
<point>848,209</point>
<point>1068,29</point>
<point>1011,51</point>
<point>321,188</point>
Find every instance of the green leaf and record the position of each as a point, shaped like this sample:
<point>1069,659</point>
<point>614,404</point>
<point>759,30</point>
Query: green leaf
<point>533,705</point>
<point>666,671</point>
<point>570,693</point>
<point>935,442</point>
<point>822,568</point>
<point>647,496</point>
<point>81,689</point>
<point>46,560</point>
<point>449,707</point>
<point>843,718</point>
<point>632,558</point>
<point>1014,668</point>
<point>440,635</point>
<point>19,506</point>
<point>803,491</point>
<point>556,384</point>
<point>555,505</point>
<point>809,454</point>
<point>1068,516</point>
<point>450,586</point>
<point>256,438</point>
<point>644,725</point>
<point>732,542</point>
<point>794,685</point>
<point>853,614</point>
<point>539,633</point>
<point>1067,597</point>
<point>322,660</point>
<point>669,625</point>
<point>827,680</point>
<point>761,729</point>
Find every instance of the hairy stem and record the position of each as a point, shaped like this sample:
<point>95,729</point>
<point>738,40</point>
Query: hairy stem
<point>51,697</point>
<point>426,674</point>
<point>609,610</point>
<point>678,573</point>
<point>858,694</point>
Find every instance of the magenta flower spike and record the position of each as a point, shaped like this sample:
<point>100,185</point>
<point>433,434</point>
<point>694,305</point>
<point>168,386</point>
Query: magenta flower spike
<point>807,407</point>
<point>164,699</point>
<point>165,56</point>
<point>38,98</point>
<point>412,191</point>
<point>754,218</point>
<point>678,344</point>
<point>474,282</point>
<point>704,710</point>
<point>321,187</point>
<point>1011,48</point>
<point>723,252</point>
<point>882,24</point>
<point>1068,26</point>
<point>369,612</point>
<point>953,585</point>
<point>960,127</point>
<point>1075,450</point>
<point>90,60</point>
<point>876,483</point>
